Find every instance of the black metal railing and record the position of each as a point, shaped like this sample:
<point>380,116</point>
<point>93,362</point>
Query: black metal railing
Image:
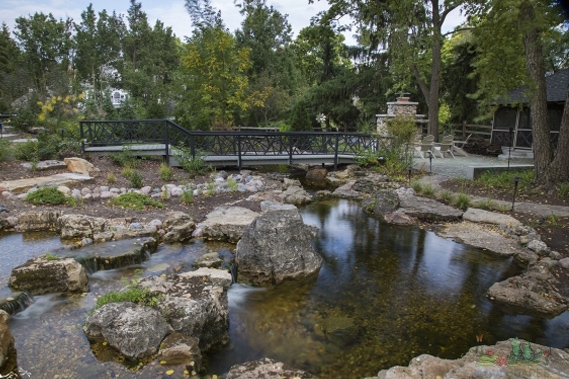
<point>239,144</point>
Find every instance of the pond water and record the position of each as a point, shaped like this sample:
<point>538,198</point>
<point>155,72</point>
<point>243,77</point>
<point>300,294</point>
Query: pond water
<point>384,294</point>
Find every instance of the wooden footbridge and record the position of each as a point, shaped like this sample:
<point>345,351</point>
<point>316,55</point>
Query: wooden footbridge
<point>222,149</point>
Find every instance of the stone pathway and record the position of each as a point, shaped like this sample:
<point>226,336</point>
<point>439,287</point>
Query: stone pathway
<point>458,167</point>
<point>22,185</point>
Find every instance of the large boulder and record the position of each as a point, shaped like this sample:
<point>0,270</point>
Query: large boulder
<point>178,227</point>
<point>512,359</point>
<point>195,304</point>
<point>7,349</point>
<point>227,223</point>
<point>487,217</point>
<point>381,203</point>
<point>41,275</point>
<point>275,247</point>
<point>79,165</point>
<point>136,331</point>
<point>316,174</point>
<point>79,226</point>
<point>296,195</point>
<point>38,221</point>
<point>543,288</point>
<point>265,368</point>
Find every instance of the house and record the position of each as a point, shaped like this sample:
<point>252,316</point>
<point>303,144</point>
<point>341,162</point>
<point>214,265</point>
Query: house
<point>511,124</point>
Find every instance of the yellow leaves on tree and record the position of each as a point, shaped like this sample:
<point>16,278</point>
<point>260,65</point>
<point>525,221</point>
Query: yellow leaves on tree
<point>218,73</point>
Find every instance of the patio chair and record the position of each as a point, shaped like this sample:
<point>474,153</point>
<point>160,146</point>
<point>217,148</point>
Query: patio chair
<point>426,146</point>
<point>445,146</point>
<point>459,146</point>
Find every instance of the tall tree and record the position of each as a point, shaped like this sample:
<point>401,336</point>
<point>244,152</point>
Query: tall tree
<point>12,82</point>
<point>47,48</point>
<point>267,34</point>
<point>149,55</point>
<point>98,46</point>
<point>522,25</point>
<point>214,71</point>
<point>411,31</point>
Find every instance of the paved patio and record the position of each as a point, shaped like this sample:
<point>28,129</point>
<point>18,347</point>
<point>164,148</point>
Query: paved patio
<point>458,167</point>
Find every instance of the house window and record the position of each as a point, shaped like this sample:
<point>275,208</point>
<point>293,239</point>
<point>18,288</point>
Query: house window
<point>116,98</point>
<point>505,118</point>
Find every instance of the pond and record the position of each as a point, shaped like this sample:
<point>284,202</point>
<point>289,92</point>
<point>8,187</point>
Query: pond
<point>384,295</point>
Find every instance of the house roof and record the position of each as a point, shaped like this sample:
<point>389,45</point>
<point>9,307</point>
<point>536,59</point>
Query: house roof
<point>556,87</point>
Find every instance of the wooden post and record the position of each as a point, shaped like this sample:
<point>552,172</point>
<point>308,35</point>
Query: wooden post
<point>463,130</point>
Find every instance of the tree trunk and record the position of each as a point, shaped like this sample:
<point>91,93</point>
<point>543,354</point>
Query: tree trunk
<point>559,171</point>
<point>433,101</point>
<point>538,97</point>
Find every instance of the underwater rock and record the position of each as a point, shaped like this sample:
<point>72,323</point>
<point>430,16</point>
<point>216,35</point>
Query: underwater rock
<point>7,349</point>
<point>341,331</point>
<point>265,368</point>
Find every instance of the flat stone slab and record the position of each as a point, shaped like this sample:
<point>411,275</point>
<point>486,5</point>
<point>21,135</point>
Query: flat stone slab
<point>67,179</point>
<point>485,237</point>
<point>46,165</point>
<point>111,255</point>
<point>428,209</point>
<point>227,223</point>
<point>487,217</point>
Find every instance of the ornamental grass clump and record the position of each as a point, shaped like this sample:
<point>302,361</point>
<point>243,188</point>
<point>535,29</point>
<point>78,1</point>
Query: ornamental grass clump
<point>134,200</point>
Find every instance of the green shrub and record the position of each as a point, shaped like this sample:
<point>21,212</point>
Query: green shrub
<point>127,172</point>
<point>51,257</point>
<point>187,196</point>
<point>46,196</point>
<point>5,150</point>
<point>131,293</point>
<point>134,200</point>
<point>136,180</point>
<point>232,184</point>
<point>564,190</point>
<point>27,151</point>
<point>125,158</point>
<point>504,180</point>
<point>111,178</point>
<point>165,171</point>
<point>445,196</point>
<point>462,201</point>
<point>417,187</point>
<point>192,165</point>
<point>428,190</point>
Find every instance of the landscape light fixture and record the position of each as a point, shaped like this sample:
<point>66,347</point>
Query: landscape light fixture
<point>62,131</point>
<point>516,180</point>
<point>409,169</point>
<point>510,148</point>
<point>430,162</point>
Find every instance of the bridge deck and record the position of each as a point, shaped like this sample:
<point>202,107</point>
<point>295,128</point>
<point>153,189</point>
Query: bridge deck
<point>247,159</point>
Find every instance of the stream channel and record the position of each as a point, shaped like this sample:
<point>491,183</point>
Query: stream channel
<point>384,294</point>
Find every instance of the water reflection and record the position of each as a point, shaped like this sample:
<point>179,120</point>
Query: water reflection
<point>390,292</point>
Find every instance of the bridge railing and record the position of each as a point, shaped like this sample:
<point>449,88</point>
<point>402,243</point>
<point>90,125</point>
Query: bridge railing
<point>259,143</point>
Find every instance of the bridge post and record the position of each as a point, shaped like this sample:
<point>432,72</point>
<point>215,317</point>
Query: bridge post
<point>289,149</point>
<point>238,151</point>
<point>167,143</point>
<point>336,153</point>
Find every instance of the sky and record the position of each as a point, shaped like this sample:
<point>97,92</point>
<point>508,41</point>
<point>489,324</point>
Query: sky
<point>172,12</point>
